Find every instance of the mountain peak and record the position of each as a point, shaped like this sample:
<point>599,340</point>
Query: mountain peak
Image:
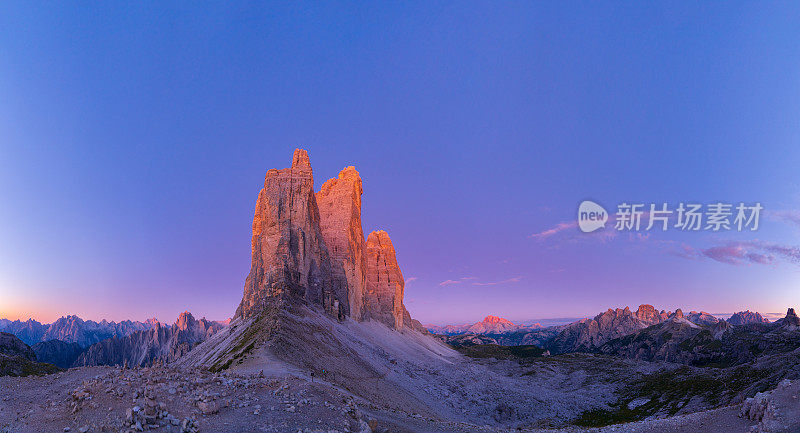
<point>791,318</point>
<point>745,317</point>
<point>185,320</point>
<point>300,160</point>
<point>495,319</point>
<point>308,247</point>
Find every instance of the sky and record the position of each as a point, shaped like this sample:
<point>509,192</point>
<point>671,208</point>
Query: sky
<point>135,136</point>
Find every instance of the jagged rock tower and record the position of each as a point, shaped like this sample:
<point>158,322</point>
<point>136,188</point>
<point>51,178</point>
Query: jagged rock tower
<point>339,202</point>
<point>384,294</point>
<point>310,248</point>
<point>289,258</point>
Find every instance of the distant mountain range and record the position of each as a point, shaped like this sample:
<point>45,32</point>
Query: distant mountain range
<point>71,341</point>
<point>742,338</point>
<point>160,343</point>
<point>72,329</point>
<point>489,325</point>
<point>585,335</point>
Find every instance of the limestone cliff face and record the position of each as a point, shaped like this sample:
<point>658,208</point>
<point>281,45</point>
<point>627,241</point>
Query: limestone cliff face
<point>289,256</point>
<point>383,298</point>
<point>310,247</point>
<point>339,202</point>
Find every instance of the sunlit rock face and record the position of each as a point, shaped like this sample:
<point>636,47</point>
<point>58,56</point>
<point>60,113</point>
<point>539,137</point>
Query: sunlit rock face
<point>289,257</point>
<point>383,298</point>
<point>492,325</point>
<point>310,246</point>
<point>339,202</point>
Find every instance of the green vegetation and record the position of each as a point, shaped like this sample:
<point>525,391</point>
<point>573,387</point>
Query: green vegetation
<point>259,330</point>
<point>501,352</point>
<point>19,366</point>
<point>670,391</point>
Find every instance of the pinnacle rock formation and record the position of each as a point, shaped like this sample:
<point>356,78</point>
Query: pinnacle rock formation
<point>310,247</point>
<point>383,299</point>
<point>339,202</point>
<point>289,256</point>
<point>791,318</point>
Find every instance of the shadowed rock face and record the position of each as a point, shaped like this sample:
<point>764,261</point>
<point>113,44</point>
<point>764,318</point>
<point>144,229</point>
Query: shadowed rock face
<point>17,358</point>
<point>339,202</point>
<point>791,318</point>
<point>587,334</point>
<point>57,352</point>
<point>745,317</point>
<point>12,346</point>
<point>383,299</point>
<point>289,256</point>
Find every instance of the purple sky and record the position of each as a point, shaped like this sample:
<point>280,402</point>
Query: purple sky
<point>134,138</point>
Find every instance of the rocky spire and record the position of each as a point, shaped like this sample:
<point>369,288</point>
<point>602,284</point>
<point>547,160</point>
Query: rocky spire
<point>791,318</point>
<point>383,298</point>
<point>311,247</point>
<point>289,258</point>
<point>300,160</point>
<point>339,202</point>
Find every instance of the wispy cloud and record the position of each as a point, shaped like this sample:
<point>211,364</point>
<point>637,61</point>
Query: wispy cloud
<point>560,227</point>
<point>789,216</point>
<point>449,282</point>
<point>479,283</point>
<point>567,232</point>
<point>410,279</point>
<point>745,253</point>
<point>494,283</point>
<point>733,253</point>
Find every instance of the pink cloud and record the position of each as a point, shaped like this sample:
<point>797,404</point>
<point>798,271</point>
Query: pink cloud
<point>560,227</point>
<point>744,253</point>
<point>494,283</point>
<point>790,216</point>
<point>449,282</point>
<point>730,254</point>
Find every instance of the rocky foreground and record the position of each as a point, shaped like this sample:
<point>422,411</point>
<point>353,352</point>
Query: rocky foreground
<point>164,399</point>
<point>106,399</point>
